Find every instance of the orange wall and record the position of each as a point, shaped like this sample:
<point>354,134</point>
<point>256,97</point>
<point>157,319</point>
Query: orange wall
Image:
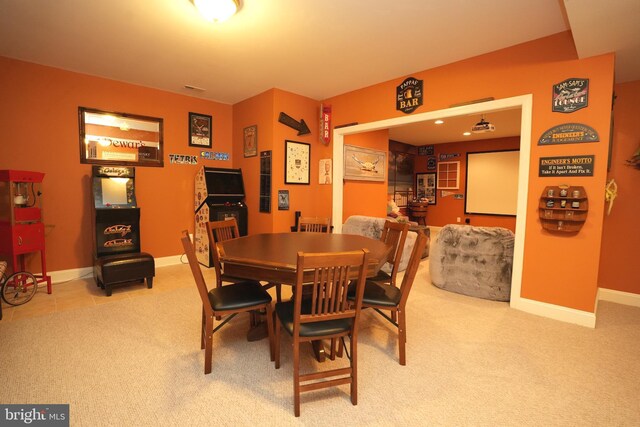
<point>366,197</point>
<point>264,109</point>
<point>39,132</point>
<point>258,110</point>
<point>447,209</point>
<point>558,269</point>
<point>621,236</point>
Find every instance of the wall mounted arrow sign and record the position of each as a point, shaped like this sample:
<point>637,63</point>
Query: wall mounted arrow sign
<point>300,126</point>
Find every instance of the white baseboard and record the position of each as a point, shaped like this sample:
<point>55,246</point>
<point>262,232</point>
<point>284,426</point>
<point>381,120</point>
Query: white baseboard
<point>556,312</point>
<point>87,272</point>
<point>626,298</point>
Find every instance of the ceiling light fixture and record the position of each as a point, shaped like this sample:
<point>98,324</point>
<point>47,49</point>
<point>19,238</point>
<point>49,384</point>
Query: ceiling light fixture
<point>467,133</point>
<point>439,122</point>
<point>217,10</point>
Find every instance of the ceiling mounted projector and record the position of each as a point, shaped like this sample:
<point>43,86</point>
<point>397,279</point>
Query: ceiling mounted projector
<point>482,126</point>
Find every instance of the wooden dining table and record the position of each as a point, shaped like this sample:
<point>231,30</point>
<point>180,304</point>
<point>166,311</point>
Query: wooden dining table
<point>272,257</point>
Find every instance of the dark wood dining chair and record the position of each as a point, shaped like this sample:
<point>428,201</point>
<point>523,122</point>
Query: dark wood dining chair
<point>314,224</point>
<point>228,300</point>
<point>219,231</point>
<point>395,235</point>
<point>325,314</point>
<point>380,296</point>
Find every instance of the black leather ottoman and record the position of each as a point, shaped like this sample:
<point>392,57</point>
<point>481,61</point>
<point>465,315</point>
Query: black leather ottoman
<point>123,268</point>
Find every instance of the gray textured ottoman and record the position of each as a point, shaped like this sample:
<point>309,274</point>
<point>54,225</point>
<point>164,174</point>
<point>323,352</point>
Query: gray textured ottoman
<point>474,261</point>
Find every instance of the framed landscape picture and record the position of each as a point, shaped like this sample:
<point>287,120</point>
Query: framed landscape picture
<point>364,164</point>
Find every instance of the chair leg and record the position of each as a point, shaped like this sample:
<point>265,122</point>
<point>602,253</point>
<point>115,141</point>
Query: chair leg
<point>334,342</point>
<point>270,330</point>
<point>296,378</point>
<point>278,292</point>
<point>208,345</point>
<point>276,344</point>
<point>402,336</point>
<point>354,370</point>
<point>202,329</point>
<point>340,348</point>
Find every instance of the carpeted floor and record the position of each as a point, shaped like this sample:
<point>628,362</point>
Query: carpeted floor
<point>137,361</point>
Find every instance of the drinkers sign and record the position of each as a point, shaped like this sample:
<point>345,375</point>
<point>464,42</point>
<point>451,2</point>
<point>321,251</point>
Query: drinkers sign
<point>409,95</point>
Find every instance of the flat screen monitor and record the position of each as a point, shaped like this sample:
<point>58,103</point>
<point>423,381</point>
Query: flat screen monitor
<point>224,182</point>
<point>113,192</point>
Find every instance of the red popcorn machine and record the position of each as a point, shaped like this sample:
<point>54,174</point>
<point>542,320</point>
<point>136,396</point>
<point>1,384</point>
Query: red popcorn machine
<point>21,227</point>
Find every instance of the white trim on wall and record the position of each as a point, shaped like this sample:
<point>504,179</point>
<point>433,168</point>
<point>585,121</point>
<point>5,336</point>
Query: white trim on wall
<point>525,102</point>
<point>626,298</point>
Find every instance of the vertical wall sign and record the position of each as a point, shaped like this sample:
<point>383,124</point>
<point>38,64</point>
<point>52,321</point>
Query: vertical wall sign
<point>409,95</point>
<point>325,124</point>
<point>570,95</point>
<point>265,181</point>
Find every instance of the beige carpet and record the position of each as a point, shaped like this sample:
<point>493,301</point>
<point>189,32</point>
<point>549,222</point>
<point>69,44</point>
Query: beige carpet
<point>469,362</point>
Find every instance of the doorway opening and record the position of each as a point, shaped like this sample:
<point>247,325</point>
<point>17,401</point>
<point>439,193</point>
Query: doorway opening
<point>524,102</point>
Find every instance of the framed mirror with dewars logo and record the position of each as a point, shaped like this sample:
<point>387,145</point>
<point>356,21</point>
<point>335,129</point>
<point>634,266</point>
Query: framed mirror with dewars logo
<point>110,138</point>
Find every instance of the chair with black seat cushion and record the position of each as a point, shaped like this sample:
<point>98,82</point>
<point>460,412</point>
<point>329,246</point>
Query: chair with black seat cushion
<point>324,314</point>
<point>228,301</point>
<point>393,234</point>
<point>381,296</point>
<point>219,231</point>
<point>314,224</point>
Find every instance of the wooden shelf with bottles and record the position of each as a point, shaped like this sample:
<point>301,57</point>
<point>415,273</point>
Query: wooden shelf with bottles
<point>563,208</point>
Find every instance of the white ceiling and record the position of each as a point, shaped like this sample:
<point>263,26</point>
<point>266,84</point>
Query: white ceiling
<point>313,48</point>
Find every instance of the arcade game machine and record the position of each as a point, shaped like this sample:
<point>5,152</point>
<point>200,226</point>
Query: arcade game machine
<point>21,227</point>
<point>117,258</point>
<point>219,194</point>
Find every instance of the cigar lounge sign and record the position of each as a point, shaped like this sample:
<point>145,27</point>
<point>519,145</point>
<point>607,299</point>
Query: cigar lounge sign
<point>570,95</point>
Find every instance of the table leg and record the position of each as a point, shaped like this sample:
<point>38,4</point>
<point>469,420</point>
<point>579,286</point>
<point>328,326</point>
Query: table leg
<point>318,350</point>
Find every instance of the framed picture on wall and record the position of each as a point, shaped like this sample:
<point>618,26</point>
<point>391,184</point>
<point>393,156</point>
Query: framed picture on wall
<point>426,187</point>
<point>364,164</point>
<point>200,130</point>
<point>297,163</point>
<point>251,141</point>
<point>283,200</point>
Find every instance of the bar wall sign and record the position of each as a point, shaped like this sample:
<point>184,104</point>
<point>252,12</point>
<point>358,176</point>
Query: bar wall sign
<point>566,166</point>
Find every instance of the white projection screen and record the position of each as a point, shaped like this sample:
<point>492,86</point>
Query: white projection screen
<point>492,183</point>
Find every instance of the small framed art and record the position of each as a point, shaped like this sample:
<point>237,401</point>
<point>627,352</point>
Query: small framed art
<point>251,141</point>
<point>200,130</point>
<point>283,200</point>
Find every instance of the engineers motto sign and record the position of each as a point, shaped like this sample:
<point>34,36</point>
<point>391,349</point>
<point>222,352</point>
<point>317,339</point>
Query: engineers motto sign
<point>566,166</point>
